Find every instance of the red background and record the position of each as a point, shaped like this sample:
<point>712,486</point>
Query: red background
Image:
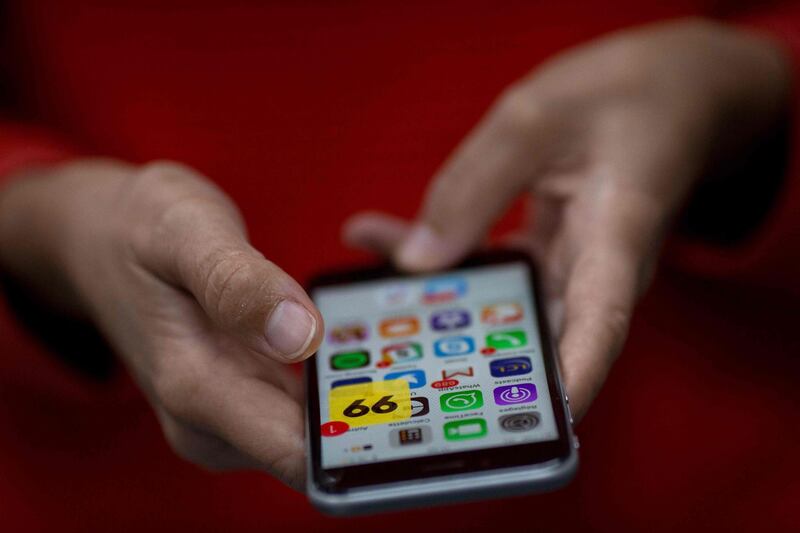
<point>305,113</point>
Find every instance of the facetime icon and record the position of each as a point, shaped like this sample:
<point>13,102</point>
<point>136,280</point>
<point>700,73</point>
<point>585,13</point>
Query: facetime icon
<point>468,428</point>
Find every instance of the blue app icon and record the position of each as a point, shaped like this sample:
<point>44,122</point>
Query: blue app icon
<point>415,378</point>
<point>446,289</point>
<point>513,366</point>
<point>350,381</point>
<point>453,346</point>
<point>450,319</point>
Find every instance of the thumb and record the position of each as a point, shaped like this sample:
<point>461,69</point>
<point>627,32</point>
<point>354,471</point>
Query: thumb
<point>200,246</point>
<point>476,185</point>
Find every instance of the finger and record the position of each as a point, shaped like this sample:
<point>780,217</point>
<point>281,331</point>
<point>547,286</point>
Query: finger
<point>202,448</point>
<point>245,419</point>
<point>223,409</point>
<point>597,309</point>
<point>475,186</point>
<point>544,221</point>
<point>602,287</point>
<point>375,232</point>
<point>260,422</point>
<point>198,243</point>
<point>539,228</point>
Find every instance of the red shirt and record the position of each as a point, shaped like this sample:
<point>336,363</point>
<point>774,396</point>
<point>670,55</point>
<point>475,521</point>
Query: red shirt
<point>308,112</point>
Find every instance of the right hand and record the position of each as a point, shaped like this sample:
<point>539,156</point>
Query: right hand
<point>605,141</point>
<point>158,258</point>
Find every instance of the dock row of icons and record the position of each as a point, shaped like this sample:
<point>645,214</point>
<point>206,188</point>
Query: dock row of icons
<point>456,430</point>
<point>469,428</point>
<point>447,320</point>
<point>408,352</point>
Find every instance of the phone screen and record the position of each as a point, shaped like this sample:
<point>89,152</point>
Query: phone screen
<point>432,365</point>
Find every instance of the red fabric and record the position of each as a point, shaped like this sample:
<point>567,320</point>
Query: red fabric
<point>305,113</point>
<point>771,256</point>
<point>22,146</point>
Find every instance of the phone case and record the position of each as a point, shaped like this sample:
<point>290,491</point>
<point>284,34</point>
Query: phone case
<point>450,489</point>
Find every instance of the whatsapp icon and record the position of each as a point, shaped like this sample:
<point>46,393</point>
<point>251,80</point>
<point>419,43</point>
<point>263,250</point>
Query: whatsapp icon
<point>461,401</point>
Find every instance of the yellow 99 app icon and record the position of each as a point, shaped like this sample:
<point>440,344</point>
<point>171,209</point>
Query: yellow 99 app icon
<point>364,404</point>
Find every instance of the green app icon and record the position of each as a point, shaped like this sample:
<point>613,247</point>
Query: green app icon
<point>468,428</point>
<point>461,401</point>
<point>348,360</point>
<point>507,340</point>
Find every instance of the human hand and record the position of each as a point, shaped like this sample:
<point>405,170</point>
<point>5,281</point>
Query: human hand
<point>607,140</point>
<point>158,258</point>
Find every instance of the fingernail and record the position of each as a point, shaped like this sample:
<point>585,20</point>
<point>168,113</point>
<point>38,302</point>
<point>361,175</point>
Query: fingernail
<point>290,329</point>
<point>423,250</point>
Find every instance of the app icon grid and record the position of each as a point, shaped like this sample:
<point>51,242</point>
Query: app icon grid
<point>463,319</point>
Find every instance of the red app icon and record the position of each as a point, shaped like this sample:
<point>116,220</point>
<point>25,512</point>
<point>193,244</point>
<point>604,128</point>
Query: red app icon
<point>334,428</point>
<point>449,377</point>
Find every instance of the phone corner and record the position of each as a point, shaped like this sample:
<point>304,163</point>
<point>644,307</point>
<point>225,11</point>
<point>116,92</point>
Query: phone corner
<point>565,472</point>
<point>337,505</point>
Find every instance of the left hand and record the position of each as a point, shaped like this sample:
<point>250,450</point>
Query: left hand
<point>157,258</point>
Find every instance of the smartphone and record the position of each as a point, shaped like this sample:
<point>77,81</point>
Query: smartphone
<point>435,388</point>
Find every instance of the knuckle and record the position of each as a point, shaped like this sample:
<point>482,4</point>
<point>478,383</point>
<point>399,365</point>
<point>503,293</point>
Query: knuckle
<point>230,283</point>
<point>616,321</point>
<point>160,184</point>
<point>198,446</point>
<point>177,387</point>
<point>179,440</point>
<point>163,171</point>
<point>166,201</point>
<point>151,193</point>
<point>518,110</point>
<point>157,184</point>
<point>187,445</point>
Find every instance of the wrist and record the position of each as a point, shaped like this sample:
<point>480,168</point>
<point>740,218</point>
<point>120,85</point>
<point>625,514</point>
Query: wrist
<point>746,78</point>
<point>49,217</point>
<point>749,89</point>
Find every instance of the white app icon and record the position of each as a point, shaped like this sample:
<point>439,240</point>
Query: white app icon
<point>397,295</point>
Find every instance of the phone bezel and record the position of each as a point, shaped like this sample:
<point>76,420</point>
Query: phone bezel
<point>341,479</point>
